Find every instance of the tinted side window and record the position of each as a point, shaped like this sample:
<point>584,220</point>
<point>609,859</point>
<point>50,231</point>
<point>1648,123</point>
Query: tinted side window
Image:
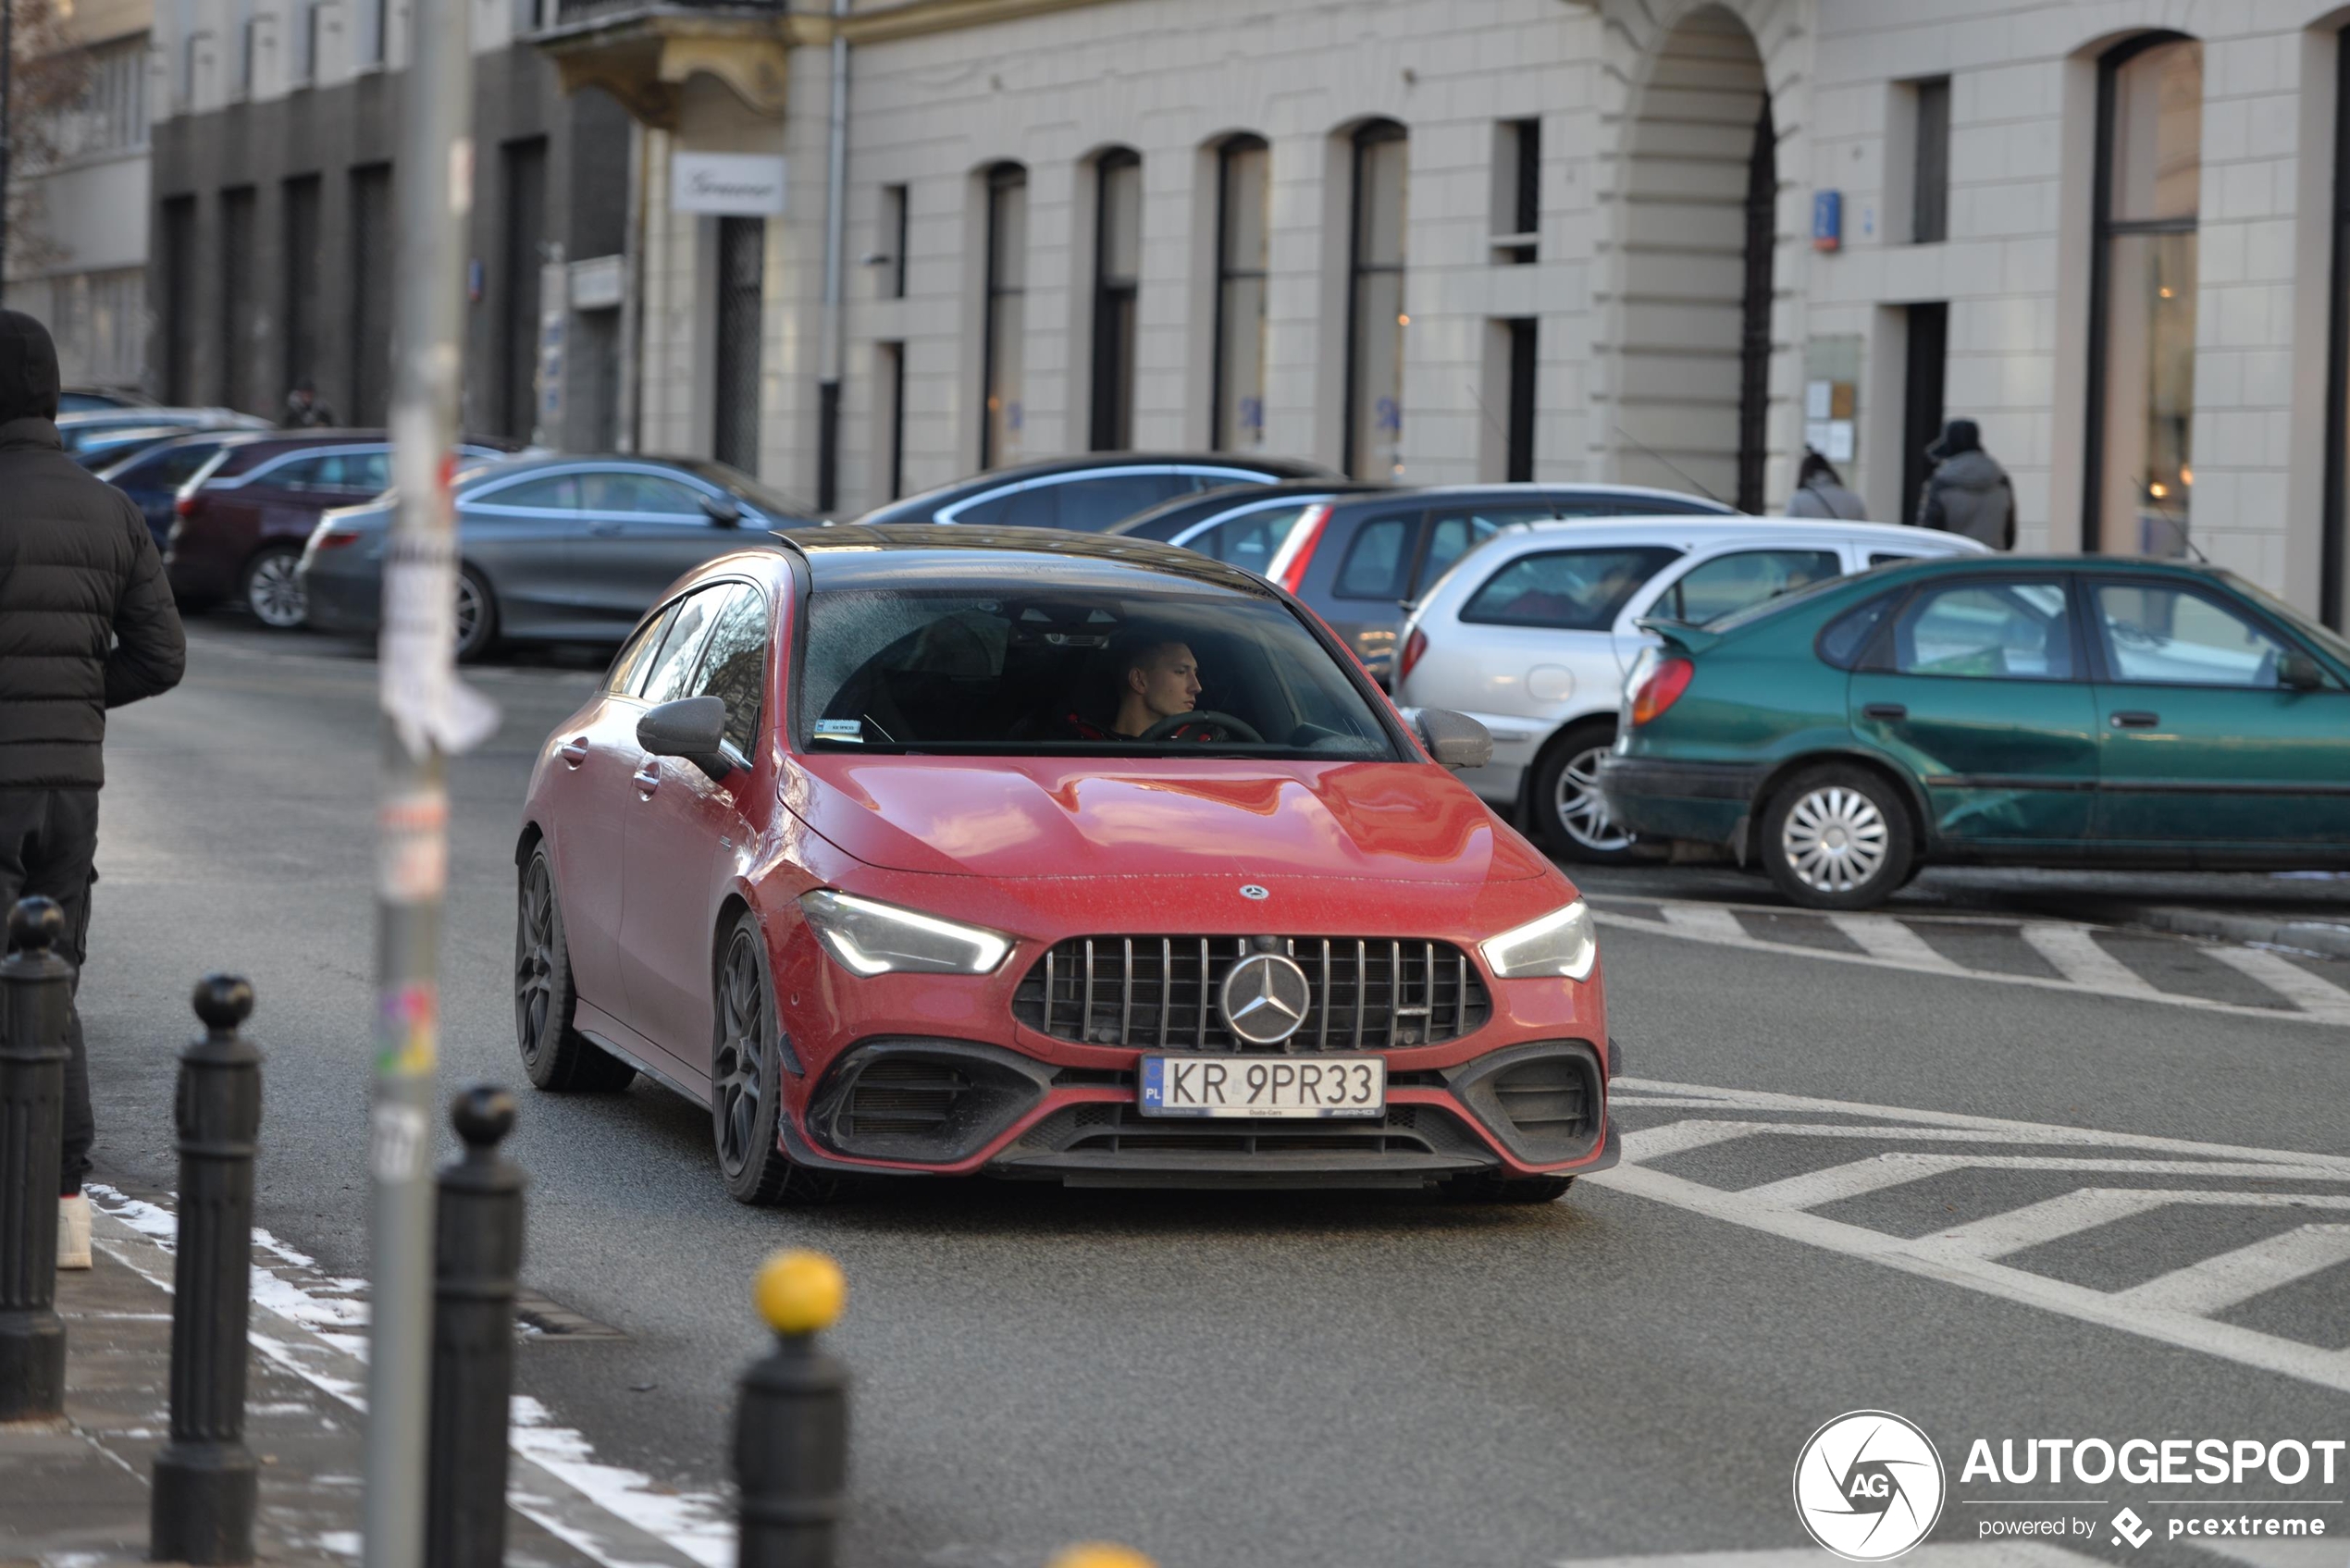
<point>681,645</point>
<point>1576,590</point>
<point>173,468</point>
<point>994,510</point>
<point>1249,542</point>
<point>557,492</point>
<point>607,491</point>
<point>1989,631</point>
<point>637,654</point>
<point>1847,636</point>
<point>302,474</point>
<point>1452,537</point>
<point>734,664</point>
<point>1379,559</point>
<point>1715,588</point>
<point>1093,504</point>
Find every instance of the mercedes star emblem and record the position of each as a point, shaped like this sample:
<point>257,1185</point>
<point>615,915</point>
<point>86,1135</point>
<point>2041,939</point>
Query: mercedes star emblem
<point>1265,998</point>
<point>1250,890</point>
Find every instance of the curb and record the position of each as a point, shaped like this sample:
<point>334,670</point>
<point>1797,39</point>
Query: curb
<point>2330,938</point>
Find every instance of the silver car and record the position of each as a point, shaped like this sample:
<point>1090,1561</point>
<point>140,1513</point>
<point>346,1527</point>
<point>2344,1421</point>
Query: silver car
<point>552,548</point>
<point>1532,634</point>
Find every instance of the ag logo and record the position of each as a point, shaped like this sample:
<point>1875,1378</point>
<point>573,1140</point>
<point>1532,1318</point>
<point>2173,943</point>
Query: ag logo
<point>1868,1485</point>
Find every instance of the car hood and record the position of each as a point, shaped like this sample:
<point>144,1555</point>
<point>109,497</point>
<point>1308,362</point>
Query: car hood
<point>1062,817</point>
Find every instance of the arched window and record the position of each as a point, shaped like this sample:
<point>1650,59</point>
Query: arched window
<point>1006,262</point>
<point>2141,471</point>
<point>1374,447</point>
<point>1117,276</point>
<point>1244,212</point>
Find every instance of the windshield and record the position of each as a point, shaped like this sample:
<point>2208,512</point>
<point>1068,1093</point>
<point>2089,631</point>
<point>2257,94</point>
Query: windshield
<point>2332,641</point>
<point>1070,672</point>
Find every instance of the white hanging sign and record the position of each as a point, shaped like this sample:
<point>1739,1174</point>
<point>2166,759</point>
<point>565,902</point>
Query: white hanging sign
<point>726,184</point>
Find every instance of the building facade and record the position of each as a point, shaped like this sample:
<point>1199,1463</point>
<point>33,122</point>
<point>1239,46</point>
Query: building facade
<point>83,269</point>
<point>276,137</point>
<point>1664,241</point>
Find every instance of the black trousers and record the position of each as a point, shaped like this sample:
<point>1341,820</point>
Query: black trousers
<point>48,838</point>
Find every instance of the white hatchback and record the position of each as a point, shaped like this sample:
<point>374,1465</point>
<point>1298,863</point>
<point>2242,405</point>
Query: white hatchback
<point>1532,635</point>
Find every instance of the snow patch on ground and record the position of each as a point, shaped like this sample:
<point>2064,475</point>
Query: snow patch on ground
<point>695,1522</point>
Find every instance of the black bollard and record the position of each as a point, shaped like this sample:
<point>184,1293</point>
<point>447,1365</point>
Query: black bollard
<point>205,1479</point>
<point>791,1425</point>
<point>476,1255</point>
<point>38,988</point>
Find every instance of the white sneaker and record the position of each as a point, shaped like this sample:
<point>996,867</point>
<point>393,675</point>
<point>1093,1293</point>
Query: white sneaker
<point>73,1232</point>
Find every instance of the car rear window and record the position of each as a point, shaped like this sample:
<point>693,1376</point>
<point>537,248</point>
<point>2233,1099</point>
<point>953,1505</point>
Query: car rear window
<point>1046,671</point>
<point>1730,582</point>
<point>1571,590</point>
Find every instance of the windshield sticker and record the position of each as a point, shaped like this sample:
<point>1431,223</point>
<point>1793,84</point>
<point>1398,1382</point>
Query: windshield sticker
<point>849,732</point>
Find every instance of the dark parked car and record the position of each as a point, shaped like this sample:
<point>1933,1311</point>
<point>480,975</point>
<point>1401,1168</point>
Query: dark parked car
<point>553,548</point>
<point>2026,711</point>
<point>1242,525</point>
<point>152,475</point>
<point>244,517</point>
<point>1358,560</point>
<point>1087,494</point>
<point>99,427</point>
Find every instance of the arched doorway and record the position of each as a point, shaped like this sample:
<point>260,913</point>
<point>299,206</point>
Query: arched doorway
<point>1699,230</point>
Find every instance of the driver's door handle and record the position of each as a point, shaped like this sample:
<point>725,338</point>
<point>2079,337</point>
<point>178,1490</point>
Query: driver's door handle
<point>603,530</point>
<point>2135,719</point>
<point>575,751</point>
<point>647,776</point>
<point>1883,711</point>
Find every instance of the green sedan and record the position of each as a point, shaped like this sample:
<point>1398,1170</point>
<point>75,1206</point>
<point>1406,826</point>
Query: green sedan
<point>2057,710</point>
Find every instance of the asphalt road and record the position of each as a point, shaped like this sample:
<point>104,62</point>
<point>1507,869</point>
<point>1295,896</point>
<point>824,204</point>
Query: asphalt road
<point>1349,1381</point>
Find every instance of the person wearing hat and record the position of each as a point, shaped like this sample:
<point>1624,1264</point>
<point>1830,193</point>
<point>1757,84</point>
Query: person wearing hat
<point>1968,491</point>
<point>86,623</point>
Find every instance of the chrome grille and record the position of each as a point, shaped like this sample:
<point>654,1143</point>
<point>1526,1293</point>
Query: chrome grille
<point>1159,992</point>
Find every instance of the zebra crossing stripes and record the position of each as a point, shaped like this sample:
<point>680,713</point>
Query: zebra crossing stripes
<point>2048,954</point>
<point>2178,1307</point>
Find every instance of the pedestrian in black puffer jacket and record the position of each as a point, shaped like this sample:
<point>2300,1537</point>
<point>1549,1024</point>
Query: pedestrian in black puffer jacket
<point>86,623</point>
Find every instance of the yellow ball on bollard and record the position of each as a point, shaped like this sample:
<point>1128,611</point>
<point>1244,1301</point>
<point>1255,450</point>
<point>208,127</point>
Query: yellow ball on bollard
<point>1100,1554</point>
<point>799,1293</point>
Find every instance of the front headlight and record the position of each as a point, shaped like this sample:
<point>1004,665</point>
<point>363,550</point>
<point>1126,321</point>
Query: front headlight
<point>1561,942</point>
<point>870,938</point>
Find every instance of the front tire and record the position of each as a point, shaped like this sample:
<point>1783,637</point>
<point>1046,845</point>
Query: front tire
<point>476,616</point>
<point>1838,837</point>
<point>1570,814</point>
<point>746,1080</point>
<point>554,1055</point>
<point>271,589</point>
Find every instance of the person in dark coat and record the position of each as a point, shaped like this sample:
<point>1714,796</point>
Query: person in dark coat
<point>1820,492</point>
<point>86,623</point>
<point>1968,491</point>
<point>304,408</point>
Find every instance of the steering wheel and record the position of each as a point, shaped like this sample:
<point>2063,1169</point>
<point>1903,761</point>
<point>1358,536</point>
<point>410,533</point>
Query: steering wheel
<point>1234,729</point>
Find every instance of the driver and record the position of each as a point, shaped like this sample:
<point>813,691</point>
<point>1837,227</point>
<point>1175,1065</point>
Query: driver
<point>1155,679</point>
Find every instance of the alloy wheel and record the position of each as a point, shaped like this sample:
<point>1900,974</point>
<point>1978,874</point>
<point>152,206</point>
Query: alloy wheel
<point>1581,809</point>
<point>275,594</point>
<point>534,959</point>
<point>469,608</point>
<point>1835,839</point>
<point>739,1072</point>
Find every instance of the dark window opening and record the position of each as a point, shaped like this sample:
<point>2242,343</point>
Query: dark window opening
<point>1930,176</point>
<point>180,300</point>
<point>893,391</point>
<point>893,245</point>
<point>1754,335</point>
<point>374,259</point>
<point>1242,226</point>
<point>1373,444</point>
<point>299,327</point>
<point>1929,336</point>
<point>1001,415</point>
<point>1118,265</point>
<point>742,268</point>
<point>1518,466</point>
<point>524,175</point>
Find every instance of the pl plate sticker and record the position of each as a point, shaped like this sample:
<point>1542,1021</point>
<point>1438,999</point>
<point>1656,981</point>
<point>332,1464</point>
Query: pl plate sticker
<point>1868,1486</point>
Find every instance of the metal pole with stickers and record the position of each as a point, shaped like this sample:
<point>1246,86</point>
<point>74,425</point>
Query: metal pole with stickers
<point>426,716</point>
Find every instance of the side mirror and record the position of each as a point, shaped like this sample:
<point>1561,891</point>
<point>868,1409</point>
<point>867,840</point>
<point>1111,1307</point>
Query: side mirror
<point>2300,673</point>
<point>1455,740</point>
<point>722,511</point>
<point>691,727</point>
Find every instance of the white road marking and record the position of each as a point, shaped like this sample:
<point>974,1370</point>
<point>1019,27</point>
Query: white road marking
<point>2170,1309</point>
<point>1708,921</point>
<point>1679,922</point>
<point>2217,1284</point>
<point>1882,936</point>
<point>2314,994</point>
<point>2078,957</point>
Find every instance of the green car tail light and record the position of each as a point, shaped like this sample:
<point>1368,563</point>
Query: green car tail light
<point>1661,688</point>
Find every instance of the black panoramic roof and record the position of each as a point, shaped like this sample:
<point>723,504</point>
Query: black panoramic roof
<point>944,555</point>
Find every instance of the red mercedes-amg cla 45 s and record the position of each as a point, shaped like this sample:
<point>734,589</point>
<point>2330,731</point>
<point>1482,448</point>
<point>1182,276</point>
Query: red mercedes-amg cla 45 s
<point>950,851</point>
